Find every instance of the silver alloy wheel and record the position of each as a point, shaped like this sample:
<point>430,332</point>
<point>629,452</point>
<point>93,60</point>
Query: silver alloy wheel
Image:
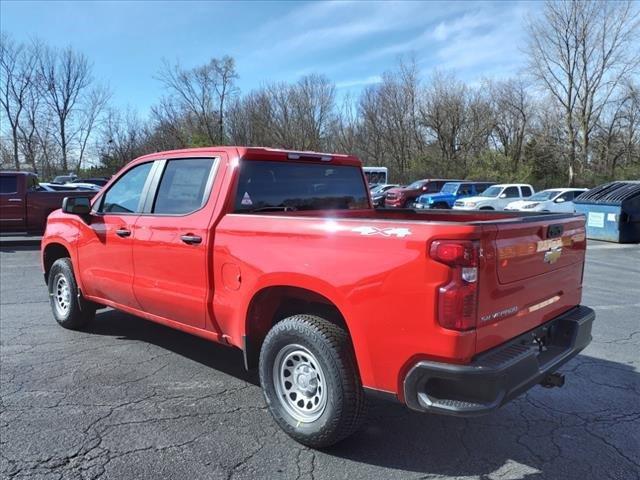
<point>300,383</point>
<point>61,295</point>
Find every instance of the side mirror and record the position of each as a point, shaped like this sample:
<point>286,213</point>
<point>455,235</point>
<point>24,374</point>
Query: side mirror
<point>560,200</point>
<point>504,195</point>
<point>76,205</point>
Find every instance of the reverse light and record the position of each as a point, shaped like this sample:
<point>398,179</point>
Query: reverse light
<point>457,299</point>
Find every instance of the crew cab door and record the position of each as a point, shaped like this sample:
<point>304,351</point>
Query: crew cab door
<point>105,253</point>
<point>173,242</point>
<point>564,202</point>
<point>12,203</point>
<point>508,195</point>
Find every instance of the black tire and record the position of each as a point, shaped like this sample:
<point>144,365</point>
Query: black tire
<point>69,309</point>
<point>329,346</point>
<point>487,208</point>
<point>441,205</point>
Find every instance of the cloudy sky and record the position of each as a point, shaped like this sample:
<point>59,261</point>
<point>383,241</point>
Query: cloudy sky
<point>350,42</point>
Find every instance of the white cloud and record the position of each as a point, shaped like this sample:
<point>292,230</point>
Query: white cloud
<point>359,82</point>
<point>469,21</point>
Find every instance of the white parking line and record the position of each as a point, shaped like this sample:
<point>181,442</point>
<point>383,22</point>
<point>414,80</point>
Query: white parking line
<point>611,246</point>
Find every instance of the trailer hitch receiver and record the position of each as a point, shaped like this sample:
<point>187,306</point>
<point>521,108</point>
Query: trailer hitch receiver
<point>553,380</point>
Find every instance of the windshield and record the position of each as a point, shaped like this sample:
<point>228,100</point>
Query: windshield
<point>545,195</point>
<point>288,186</point>
<point>491,192</point>
<point>416,185</point>
<point>450,188</point>
<point>378,189</point>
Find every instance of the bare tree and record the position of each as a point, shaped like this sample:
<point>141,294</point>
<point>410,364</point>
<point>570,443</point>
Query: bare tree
<point>93,105</point>
<point>580,52</point>
<point>28,129</point>
<point>123,137</point>
<point>17,74</point>
<point>203,92</point>
<point>512,112</point>
<point>65,76</point>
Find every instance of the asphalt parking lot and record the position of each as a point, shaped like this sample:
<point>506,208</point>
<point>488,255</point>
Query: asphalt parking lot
<point>130,399</point>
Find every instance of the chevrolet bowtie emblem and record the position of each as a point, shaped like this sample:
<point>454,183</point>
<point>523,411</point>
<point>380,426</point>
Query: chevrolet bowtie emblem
<point>552,255</point>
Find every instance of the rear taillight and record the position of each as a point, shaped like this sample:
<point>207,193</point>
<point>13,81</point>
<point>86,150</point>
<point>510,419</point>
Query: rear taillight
<point>457,300</point>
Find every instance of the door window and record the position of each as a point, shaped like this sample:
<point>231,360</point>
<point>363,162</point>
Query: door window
<point>435,187</point>
<point>125,194</point>
<point>183,188</point>
<point>9,184</point>
<point>511,192</point>
<point>464,190</point>
<point>568,196</point>
<point>526,191</point>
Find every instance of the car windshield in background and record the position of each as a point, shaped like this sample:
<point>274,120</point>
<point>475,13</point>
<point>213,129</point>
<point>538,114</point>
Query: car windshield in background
<point>416,185</point>
<point>450,188</point>
<point>266,186</point>
<point>491,192</point>
<point>545,195</point>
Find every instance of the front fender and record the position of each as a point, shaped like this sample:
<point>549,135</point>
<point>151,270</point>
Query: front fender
<point>60,230</point>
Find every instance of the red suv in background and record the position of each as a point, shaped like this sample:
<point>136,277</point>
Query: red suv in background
<point>403,197</point>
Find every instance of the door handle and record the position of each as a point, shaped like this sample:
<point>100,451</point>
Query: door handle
<point>191,239</point>
<point>15,200</point>
<point>123,232</point>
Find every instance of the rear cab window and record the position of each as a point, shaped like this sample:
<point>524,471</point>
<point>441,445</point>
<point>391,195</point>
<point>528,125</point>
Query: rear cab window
<point>265,186</point>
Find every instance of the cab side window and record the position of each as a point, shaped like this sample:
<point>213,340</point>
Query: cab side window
<point>183,188</point>
<point>481,187</point>
<point>125,195</point>
<point>526,191</point>
<point>434,187</point>
<point>511,192</point>
<point>568,196</point>
<point>9,184</point>
<point>464,190</point>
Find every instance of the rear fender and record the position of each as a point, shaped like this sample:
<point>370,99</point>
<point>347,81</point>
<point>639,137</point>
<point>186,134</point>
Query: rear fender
<point>316,286</point>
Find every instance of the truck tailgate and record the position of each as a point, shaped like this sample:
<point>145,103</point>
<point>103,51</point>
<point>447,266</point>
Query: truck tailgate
<point>531,272</point>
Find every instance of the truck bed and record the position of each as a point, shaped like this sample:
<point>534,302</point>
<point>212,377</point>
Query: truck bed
<point>530,269</point>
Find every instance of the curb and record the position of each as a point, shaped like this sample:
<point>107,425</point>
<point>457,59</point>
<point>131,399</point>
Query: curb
<point>22,241</point>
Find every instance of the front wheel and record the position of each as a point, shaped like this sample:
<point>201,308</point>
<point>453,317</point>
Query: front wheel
<point>69,308</point>
<point>310,380</point>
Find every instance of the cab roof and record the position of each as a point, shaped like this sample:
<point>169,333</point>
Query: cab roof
<point>257,153</point>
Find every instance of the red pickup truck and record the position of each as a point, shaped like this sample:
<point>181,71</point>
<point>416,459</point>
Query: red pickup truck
<point>281,254</point>
<point>25,205</point>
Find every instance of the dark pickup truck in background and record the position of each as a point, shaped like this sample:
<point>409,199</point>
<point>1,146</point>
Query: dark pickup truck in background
<point>25,206</point>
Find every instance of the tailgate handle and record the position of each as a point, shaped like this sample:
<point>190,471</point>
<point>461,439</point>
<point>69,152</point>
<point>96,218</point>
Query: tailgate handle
<point>554,231</point>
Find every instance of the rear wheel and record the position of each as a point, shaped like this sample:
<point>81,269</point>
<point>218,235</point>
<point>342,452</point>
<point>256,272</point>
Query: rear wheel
<point>310,380</point>
<point>69,308</point>
<point>487,208</point>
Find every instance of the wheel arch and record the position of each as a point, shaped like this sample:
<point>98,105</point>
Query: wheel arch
<point>50,253</point>
<point>273,303</point>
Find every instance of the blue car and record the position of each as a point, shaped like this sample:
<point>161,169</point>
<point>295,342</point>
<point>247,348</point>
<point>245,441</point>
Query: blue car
<point>450,192</point>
